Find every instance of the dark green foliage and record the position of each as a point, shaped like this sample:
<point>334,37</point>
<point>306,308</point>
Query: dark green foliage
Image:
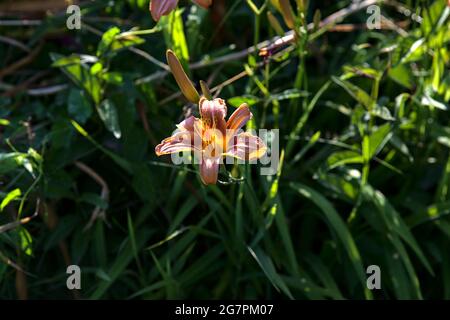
<point>363,179</point>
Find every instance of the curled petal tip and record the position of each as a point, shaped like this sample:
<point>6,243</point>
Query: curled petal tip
<point>246,146</point>
<point>239,117</point>
<point>180,141</point>
<point>211,108</point>
<point>203,3</point>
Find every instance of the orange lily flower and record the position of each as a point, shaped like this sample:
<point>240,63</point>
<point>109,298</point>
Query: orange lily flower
<point>212,138</point>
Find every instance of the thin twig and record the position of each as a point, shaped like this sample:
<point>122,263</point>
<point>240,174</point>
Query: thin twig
<point>22,62</point>
<point>20,23</point>
<point>47,90</point>
<point>42,91</point>
<point>11,263</point>
<point>24,85</point>
<point>98,212</point>
<point>141,112</point>
<point>14,43</point>
<point>267,44</point>
<point>392,25</point>
<point>15,224</point>
<point>137,51</point>
<point>150,58</point>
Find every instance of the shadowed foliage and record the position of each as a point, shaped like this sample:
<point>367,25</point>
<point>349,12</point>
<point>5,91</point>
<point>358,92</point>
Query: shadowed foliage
<point>363,175</point>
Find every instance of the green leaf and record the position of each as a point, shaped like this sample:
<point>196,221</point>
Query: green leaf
<point>340,158</point>
<point>182,212</point>
<point>356,92</point>
<point>108,113</point>
<point>355,71</point>
<point>402,75</point>
<point>427,100</point>
<point>382,113</point>
<point>379,138</point>
<point>206,264</point>
<point>305,116</point>
<point>416,52</point>
<point>78,106</point>
<point>248,99</point>
<point>94,199</point>
<point>343,186</point>
<point>117,159</point>
<point>323,273</point>
<point>401,251</point>
<point>401,146</point>
<point>132,233</point>
<point>267,266</point>
<point>25,241</point>
<point>65,226</point>
<point>78,72</point>
<point>124,257</point>
<point>107,40</point>
<point>398,275</point>
<point>338,225</point>
<point>11,161</point>
<point>115,78</point>
<point>194,22</point>
<point>174,35</point>
<point>288,94</point>
<point>394,222</point>
<point>433,16</point>
<point>113,41</point>
<point>11,196</point>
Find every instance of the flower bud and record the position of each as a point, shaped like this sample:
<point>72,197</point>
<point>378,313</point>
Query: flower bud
<point>205,90</point>
<point>183,81</point>
<point>288,15</point>
<point>275,24</point>
<point>317,19</point>
<point>159,8</point>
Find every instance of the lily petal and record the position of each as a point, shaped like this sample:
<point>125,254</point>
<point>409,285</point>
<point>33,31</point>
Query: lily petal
<point>183,139</point>
<point>187,124</point>
<point>246,146</point>
<point>203,3</point>
<point>213,113</point>
<point>159,8</point>
<point>178,142</point>
<point>209,170</point>
<point>239,117</point>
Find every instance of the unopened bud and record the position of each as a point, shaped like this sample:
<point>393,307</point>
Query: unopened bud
<point>317,19</point>
<point>183,81</point>
<point>275,24</point>
<point>302,5</point>
<point>276,4</point>
<point>205,90</point>
<point>288,15</point>
<point>159,8</point>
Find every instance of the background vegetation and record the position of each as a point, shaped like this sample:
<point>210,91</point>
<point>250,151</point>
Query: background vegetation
<point>364,141</point>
